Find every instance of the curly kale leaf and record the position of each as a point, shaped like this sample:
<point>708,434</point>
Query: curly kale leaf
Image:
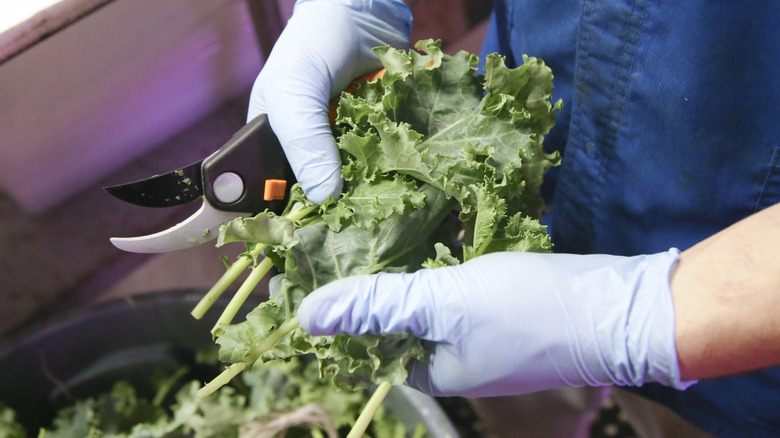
<point>428,138</point>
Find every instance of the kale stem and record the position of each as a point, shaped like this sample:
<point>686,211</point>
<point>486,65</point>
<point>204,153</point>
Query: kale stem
<point>257,274</point>
<point>221,286</point>
<point>222,379</point>
<point>238,267</point>
<point>302,213</point>
<point>258,350</point>
<point>167,385</point>
<point>272,339</point>
<point>368,412</point>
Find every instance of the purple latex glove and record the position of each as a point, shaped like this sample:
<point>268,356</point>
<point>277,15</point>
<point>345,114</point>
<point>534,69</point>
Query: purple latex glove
<point>325,45</point>
<point>514,323</point>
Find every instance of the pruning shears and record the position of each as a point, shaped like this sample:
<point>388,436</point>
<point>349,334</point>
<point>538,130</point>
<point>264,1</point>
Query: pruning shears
<point>246,176</point>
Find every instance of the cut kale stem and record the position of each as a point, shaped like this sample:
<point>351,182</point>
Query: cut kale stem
<point>257,274</point>
<point>368,412</point>
<point>235,369</point>
<point>235,270</point>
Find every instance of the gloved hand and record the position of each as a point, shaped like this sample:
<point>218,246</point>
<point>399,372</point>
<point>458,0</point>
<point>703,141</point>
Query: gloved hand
<point>514,323</point>
<point>325,45</point>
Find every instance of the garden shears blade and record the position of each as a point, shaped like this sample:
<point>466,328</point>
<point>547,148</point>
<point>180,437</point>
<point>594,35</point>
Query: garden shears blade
<point>247,175</point>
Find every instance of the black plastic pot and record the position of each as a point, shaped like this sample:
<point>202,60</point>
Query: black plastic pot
<point>83,353</point>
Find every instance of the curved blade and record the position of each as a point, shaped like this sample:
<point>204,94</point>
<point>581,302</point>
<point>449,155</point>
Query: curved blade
<point>173,188</point>
<point>199,228</point>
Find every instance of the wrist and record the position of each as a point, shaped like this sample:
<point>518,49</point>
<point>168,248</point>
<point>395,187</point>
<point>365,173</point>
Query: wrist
<point>651,325</point>
<point>622,323</point>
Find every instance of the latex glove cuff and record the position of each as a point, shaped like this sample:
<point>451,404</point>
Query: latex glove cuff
<point>638,345</point>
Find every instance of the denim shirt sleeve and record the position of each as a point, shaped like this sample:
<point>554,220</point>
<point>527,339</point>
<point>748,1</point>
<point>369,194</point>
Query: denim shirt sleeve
<point>670,132</point>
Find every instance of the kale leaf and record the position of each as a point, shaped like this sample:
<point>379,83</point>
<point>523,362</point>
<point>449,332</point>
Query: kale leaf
<point>429,138</point>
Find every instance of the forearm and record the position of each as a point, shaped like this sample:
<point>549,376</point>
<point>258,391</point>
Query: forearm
<point>726,293</point>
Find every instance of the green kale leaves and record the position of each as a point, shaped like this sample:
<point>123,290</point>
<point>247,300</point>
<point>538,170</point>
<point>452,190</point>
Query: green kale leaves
<point>440,166</point>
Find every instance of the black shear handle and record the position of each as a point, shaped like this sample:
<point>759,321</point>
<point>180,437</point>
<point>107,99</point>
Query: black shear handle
<point>256,156</point>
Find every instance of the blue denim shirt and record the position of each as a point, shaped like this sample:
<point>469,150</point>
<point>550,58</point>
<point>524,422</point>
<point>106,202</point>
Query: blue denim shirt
<point>670,132</point>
